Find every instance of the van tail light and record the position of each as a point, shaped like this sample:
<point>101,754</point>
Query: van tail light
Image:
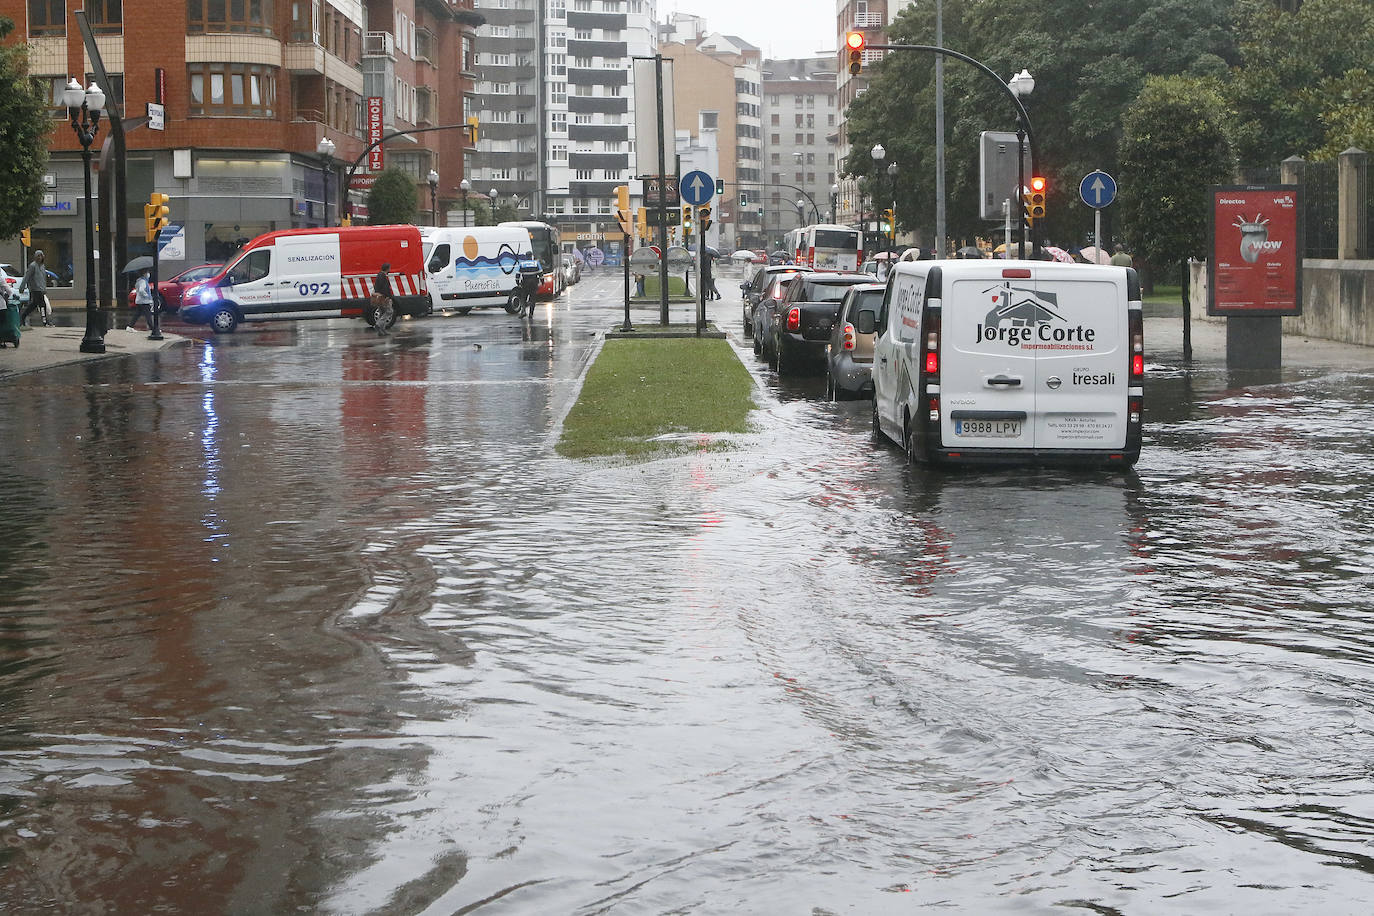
<point>932,339</point>
<point>934,407</point>
<point>811,257</point>
<point>1134,405</point>
<point>794,319</point>
<point>1137,330</point>
<point>848,336</point>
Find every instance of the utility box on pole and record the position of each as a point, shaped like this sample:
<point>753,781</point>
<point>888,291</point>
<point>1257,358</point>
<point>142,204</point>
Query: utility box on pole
<point>997,172</point>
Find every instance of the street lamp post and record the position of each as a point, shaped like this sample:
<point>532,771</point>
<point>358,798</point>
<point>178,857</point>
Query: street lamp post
<point>464,187</point>
<point>1021,86</point>
<point>834,202</point>
<point>493,206</point>
<point>433,197</point>
<point>326,150</point>
<point>84,107</point>
<point>892,228</point>
<point>878,154</point>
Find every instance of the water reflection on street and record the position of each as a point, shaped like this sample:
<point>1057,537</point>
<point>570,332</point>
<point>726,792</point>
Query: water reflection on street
<point>311,618</point>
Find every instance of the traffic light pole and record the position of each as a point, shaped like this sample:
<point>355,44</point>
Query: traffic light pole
<point>1023,120</point>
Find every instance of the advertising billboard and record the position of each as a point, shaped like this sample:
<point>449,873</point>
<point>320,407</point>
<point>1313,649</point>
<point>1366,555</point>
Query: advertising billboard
<point>1255,245</point>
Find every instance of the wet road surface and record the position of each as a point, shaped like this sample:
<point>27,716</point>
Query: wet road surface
<point>310,619</point>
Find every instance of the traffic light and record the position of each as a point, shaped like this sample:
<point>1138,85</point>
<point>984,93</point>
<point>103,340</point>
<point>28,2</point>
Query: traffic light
<point>720,187</point>
<point>704,218</point>
<point>744,198</point>
<point>622,208</point>
<point>855,42</point>
<point>760,214</point>
<point>642,222</point>
<point>155,215</point>
<point>890,218</point>
<point>1035,200</point>
<point>687,217</point>
<point>472,129</point>
<point>26,237</point>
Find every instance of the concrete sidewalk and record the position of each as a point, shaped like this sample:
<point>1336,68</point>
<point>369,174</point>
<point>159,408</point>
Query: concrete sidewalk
<point>1164,344</point>
<point>43,348</point>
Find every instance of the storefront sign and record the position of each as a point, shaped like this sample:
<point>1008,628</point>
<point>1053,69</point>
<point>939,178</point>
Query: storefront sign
<point>1256,245</point>
<point>362,182</point>
<point>374,133</point>
<point>54,205</point>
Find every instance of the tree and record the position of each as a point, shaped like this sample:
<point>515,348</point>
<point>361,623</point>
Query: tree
<point>1303,83</point>
<point>1174,146</point>
<point>391,201</point>
<point>24,125</point>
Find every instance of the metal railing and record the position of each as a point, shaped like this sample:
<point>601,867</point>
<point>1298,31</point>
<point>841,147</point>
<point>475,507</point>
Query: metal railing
<point>379,44</point>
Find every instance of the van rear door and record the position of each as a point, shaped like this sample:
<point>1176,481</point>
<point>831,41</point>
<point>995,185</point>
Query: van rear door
<point>987,365</point>
<point>1082,357</point>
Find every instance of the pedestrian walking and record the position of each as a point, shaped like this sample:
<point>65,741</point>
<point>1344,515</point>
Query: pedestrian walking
<point>143,301</point>
<point>1121,258</point>
<point>9,318</point>
<point>383,308</point>
<point>708,279</point>
<point>36,282</point>
<point>639,285</point>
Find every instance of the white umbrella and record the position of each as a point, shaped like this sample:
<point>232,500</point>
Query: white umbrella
<point>1095,255</point>
<point>743,254</point>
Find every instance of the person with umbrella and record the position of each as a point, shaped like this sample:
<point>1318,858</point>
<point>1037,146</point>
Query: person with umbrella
<point>143,301</point>
<point>708,275</point>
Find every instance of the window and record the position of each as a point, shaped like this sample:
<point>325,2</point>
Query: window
<point>105,16</point>
<point>499,117</point>
<point>558,38</point>
<point>499,60</point>
<point>612,146</point>
<point>558,93</point>
<point>204,16</point>
<point>776,121</point>
<point>558,152</point>
<point>500,174</point>
<point>710,120</point>
<point>583,174</point>
<point>47,17</point>
<point>500,31</point>
<point>583,62</point>
<point>500,88</point>
<point>558,65</point>
<point>233,89</point>
<point>611,174</point>
<point>603,206</point>
<point>582,118</point>
<point>582,34</point>
<point>582,5</point>
<point>558,122</point>
<point>558,9</point>
<point>775,139</point>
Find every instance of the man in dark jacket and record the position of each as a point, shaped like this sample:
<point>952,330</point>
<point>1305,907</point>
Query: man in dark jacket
<point>383,309</point>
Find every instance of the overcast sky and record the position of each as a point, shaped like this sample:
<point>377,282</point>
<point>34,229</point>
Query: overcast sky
<point>780,28</point>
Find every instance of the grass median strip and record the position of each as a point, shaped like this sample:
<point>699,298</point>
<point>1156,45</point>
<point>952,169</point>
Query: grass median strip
<point>639,391</point>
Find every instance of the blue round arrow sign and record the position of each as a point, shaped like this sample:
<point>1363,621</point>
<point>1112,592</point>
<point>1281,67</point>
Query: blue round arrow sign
<point>1098,189</point>
<point>696,187</point>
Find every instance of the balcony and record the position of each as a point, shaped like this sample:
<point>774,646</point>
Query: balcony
<point>596,77</point>
<point>379,44</point>
<point>869,21</point>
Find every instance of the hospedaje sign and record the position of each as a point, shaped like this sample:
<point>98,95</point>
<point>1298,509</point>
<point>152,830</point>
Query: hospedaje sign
<point>374,133</point>
<point>1255,246</point>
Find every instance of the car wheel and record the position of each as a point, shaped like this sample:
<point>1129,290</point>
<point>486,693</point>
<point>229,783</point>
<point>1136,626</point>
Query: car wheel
<point>748,328</point>
<point>779,362</point>
<point>466,311</point>
<point>912,447</point>
<point>385,316</point>
<point>224,320</point>
<point>758,346</point>
<point>877,424</point>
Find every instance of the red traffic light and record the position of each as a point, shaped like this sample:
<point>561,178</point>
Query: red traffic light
<point>1037,184</point>
<point>854,40</point>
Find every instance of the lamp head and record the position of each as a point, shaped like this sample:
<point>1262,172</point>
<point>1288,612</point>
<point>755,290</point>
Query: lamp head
<point>465,186</point>
<point>892,168</point>
<point>73,95</point>
<point>95,99</point>
<point>325,147</point>
<point>1022,84</point>
<point>878,152</point>
<point>433,178</point>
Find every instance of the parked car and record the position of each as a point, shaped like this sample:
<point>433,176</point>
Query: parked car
<point>572,271</point>
<point>766,314</point>
<point>753,289</point>
<point>174,289</point>
<point>805,317</point>
<point>849,358</point>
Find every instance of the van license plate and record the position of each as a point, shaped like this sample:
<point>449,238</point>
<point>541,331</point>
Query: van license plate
<point>988,429</point>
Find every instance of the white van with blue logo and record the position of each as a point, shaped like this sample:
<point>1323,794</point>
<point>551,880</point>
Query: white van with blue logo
<point>474,267</point>
<point>1010,361</point>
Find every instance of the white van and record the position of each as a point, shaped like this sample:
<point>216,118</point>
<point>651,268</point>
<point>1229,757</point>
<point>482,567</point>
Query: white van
<point>473,267</point>
<point>1010,361</point>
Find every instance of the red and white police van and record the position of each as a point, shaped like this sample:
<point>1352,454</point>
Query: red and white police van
<point>313,273</point>
<point>1010,361</point>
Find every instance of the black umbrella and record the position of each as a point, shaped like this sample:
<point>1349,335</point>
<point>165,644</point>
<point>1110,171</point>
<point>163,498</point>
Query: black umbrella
<point>969,251</point>
<point>711,252</point>
<point>142,262</point>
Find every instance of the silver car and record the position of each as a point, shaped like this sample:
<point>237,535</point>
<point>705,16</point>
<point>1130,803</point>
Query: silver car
<point>849,355</point>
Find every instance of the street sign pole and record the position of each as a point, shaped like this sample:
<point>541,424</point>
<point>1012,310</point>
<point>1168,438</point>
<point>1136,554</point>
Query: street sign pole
<point>696,189</point>
<point>661,204</point>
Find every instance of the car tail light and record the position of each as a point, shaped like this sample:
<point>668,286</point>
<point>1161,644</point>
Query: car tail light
<point>1137,330</point>
<point>794,319</point>
<point>932,361</point>
<point>848,335</point>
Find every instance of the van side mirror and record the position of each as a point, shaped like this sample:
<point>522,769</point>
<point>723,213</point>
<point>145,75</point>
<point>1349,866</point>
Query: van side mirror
<point>868,322</point>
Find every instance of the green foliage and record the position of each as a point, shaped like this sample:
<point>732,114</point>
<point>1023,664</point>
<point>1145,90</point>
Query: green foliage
<point>1303,86</point>
<point>24,129</point>
<point>1178,122</point>
<point>506,212</point>
<point>392,199</point>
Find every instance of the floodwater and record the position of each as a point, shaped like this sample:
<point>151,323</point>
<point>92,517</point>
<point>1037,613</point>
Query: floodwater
<point>308,619</point>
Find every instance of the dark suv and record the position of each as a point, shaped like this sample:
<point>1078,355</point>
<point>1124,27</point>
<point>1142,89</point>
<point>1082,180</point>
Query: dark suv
<point>805,318</point>
<point>754,287</point>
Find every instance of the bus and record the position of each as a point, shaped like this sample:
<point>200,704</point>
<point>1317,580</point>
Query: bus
<point>826,246</point>
<point>548,253</point>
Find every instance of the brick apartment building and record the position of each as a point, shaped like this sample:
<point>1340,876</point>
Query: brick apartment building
<point>249,88</point>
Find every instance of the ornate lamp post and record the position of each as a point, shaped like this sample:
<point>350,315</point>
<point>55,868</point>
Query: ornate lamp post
<point>84,107</point>
<point>326,150</point>
<point>433,197</point>
<point>464,187</point>
<point>1021,86</point>
<point>493,206</point>
<point>834,202</point>
<point>892,228</point>
<point>878,154</point>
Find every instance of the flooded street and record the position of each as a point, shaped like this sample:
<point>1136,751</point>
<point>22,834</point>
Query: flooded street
<point>307,619</point>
